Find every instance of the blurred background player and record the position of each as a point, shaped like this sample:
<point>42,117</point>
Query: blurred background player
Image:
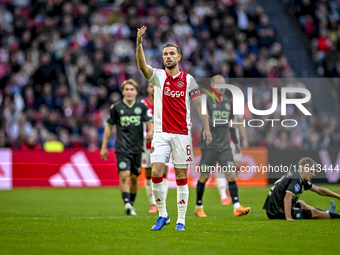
<point>173,90</point>
<point>219,150</point>
<point>222,183</point>
<point>128,115</point>
<point>282,200</point>
<point>146,161</point>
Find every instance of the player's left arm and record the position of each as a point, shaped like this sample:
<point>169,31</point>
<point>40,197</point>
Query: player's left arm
<point>324,192</point>
<point>204,118</point>
<point>288,205</point>
<point>195,95</point>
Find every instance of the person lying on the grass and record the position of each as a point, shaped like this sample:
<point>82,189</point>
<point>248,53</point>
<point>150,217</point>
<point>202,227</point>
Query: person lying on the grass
<point>282,200</point>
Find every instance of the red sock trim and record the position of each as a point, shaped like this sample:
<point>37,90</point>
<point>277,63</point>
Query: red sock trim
<point>164,176</point>
<point>157,179</point>
<point>148,177</point>
<point>181,182</point>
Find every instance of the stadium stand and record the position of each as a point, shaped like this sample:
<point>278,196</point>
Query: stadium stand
<point>62,63</point>
<point>319,20</point>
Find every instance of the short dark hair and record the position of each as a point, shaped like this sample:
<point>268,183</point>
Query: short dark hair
<point>173,45</point>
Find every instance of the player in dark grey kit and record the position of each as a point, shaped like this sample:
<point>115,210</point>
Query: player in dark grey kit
<point>128,115</point>
<point>282,201</point>
<point>219,149</point>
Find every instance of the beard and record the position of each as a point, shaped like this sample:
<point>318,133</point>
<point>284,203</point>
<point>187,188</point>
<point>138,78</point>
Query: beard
<point>170,65</point>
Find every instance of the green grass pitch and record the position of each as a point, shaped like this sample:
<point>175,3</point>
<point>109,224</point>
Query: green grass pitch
<point>92,221</point>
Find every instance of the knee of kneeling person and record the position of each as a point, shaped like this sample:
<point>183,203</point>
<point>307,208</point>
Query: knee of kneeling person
<point>302,203</point>
<point>314,213</point>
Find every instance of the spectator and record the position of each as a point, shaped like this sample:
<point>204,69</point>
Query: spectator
<point>31,143</point>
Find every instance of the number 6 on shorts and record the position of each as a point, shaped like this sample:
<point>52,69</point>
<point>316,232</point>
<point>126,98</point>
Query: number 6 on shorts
<point>188,150</point>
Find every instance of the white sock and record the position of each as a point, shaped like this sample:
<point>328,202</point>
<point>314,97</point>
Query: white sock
<point>159,195</point>
<point>236,205</point>
<point>148,188</point>
<point>182,202</point>
<point>221,184</point>
<point>199,207</point>
<point>166,186</point>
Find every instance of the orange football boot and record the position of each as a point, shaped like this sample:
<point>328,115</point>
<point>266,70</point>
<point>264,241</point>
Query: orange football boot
<point>242,211</point>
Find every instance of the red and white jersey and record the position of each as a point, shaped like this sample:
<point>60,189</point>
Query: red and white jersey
<point>149,104</point>
<point>171,101</point>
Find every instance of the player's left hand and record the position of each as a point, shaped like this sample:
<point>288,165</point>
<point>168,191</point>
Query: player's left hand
<point>237,149</point>
<point>207,136</point>
<point>149,137</point>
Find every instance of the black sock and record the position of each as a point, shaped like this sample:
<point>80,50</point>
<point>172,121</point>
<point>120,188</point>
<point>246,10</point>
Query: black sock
<point>233,189</point>
<point>126,197</point>
<point>132,198</point>
<point>199,192</point>
<point>334,215</point>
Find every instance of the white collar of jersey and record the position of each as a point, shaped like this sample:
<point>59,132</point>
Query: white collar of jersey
<point>175,76</point>
<point>129,105</point>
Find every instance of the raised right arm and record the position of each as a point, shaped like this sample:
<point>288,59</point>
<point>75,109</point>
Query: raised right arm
<point>145,68</point>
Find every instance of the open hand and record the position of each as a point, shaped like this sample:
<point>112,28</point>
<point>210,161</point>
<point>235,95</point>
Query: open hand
<point>140,33</point>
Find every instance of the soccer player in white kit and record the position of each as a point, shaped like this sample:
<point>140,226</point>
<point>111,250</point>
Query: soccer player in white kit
<point>172,126</point>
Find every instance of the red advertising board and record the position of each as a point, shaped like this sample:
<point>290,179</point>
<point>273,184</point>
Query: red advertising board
<point>82,168</point>
<point>71,168</point>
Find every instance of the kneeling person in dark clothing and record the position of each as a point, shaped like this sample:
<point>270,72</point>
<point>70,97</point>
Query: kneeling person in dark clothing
<point>282,200</point>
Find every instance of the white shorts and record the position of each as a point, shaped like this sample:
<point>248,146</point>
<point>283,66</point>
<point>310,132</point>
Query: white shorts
<point>180,146</point>
<point>237,157</point>
<point>146,160</point>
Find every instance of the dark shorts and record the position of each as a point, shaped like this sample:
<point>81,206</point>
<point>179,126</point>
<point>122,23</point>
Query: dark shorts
<point>212,156</point>
<point>130,162</point>
<point>297,213</point>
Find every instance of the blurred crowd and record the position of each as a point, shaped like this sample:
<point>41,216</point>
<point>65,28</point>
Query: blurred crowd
<point>62,63</point>
<point>320,21</point>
